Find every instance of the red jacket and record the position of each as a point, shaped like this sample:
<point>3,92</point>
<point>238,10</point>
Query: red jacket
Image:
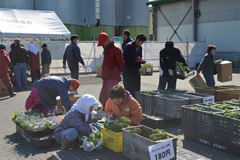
<point>34,61</point>
<point>4,62</point>
<point>33,99</point>
<point>113,63</point>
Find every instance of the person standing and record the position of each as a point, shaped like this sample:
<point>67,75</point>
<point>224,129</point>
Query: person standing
<point>34,62</point>
<point>20,61</point>
<point>73,55</point>
<point>168,58</point>
<point>50,87</point>
<point>126,38</point>
<point>4,62</point>
<point>133,58</point>
<point>46,59</point>
<point>113,65</point>
<point>207,66</point>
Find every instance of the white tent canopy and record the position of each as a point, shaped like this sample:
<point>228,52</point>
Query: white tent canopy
<point>31,25</point>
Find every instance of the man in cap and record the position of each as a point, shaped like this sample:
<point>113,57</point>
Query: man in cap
<point>50,87</point>
<point>20,61</point>
<point>46,59</point>
<point>113,65</point>
<point>4,62</point>
<point>73,55</point>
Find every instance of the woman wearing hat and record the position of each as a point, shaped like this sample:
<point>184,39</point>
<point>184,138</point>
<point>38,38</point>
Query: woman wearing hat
<point>76,121</point>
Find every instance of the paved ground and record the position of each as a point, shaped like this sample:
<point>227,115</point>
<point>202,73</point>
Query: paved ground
<point>13,147</point>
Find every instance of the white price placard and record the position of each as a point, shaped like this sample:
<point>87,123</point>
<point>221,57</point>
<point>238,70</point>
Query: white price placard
<point>210,99</point>
<point>162,150</point>
<point>148,69</point>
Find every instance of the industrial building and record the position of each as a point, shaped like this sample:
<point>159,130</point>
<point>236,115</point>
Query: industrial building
<point>214,21</point>
<point>88,18</point>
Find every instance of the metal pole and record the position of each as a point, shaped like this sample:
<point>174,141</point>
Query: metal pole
<point>94,51</point>
<point>187,47</point>
<point>145,56</point>
<point>194,20</point>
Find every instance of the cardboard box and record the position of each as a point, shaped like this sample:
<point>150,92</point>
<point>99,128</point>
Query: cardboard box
<point>146,71</point>
<point>197,81</point>
<point>72,99</point>
<point>3,88</point>
<point>224,71</point>
<point>99,72</point>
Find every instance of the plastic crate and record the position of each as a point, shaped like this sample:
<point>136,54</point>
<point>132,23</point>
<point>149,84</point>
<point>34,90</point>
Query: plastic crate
<point>226,128</point>
<point>140,98</point>
<point>112,140</point>
<point>172,105</point>
<point>197,120</point>
<point>159,104</point>
<point>193,99</point>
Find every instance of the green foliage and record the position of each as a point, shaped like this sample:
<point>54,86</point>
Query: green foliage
<point>158,134</point>
<point>235,101</point>
<point>99,66</point>
<point>221,106</point>
<point>147,65</point>
<point>232,114</point>
<point>181,69</point>
<point>135,130</point>
<point>98,135</point>
<point>117,125</point>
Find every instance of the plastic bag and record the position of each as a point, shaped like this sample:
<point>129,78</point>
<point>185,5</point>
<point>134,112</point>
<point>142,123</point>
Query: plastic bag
<point>88,146</point>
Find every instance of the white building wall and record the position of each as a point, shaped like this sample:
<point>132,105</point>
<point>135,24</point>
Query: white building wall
<point>219,23</point>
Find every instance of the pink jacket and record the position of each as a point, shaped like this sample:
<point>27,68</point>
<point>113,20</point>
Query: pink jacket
<point>33,99</point>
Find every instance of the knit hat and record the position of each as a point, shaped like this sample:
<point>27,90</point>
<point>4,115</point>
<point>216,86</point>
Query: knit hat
<point>102,37</point>
<point>75,84</point>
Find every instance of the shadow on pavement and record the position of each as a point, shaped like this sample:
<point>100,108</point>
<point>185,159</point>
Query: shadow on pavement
<point>23,148</point>
<point>4,97</point>
<point>206,151</point>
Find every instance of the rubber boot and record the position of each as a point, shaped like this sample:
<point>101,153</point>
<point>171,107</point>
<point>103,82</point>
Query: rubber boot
<point>65,144</point>
<point>10,90</point>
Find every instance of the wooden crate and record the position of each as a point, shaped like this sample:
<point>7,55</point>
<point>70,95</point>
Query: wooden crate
<point>227,94</point>
<point>146,71</point>
<point>72,100</point>
<point>136,146</point>
<point>3,88</point>
<point>99,72</point>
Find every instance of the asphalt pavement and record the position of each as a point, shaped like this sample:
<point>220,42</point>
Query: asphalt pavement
<point>12,146</point>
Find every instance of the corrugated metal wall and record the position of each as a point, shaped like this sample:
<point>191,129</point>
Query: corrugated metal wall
<point>218,24</point>
<point>17,4</point>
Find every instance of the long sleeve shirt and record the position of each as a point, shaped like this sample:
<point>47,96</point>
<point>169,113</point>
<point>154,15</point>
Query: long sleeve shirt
<point>46,56</point>
<point>73,119</point>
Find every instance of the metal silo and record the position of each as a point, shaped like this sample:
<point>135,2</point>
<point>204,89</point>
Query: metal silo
<point>133,13</point>
<point>108,12</point>
<point>67,10</point>
<point>17,4</point>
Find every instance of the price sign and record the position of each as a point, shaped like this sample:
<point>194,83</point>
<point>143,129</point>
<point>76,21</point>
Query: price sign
<point>210,99</point>
<point>148,69</point>
<point>162,151</point>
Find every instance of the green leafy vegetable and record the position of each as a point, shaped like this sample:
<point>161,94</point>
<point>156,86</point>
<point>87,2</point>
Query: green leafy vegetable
<point>117,125</point>
<point>158,134</point>
<point>136,131</point>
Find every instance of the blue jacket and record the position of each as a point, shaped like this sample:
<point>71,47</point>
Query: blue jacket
<point>54,86</point>
<point>73,56</point>
<point>130,53</point>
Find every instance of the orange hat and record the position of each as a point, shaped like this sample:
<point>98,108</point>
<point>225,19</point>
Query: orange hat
<point>102,37</point>
<point>75,84</point>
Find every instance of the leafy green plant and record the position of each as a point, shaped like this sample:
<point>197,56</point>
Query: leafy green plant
<point>135,130</point>
<point>232,114</point>
<point>117,125</point>
<point>221,106</point>
<point>147,65</point>
<point>99,66</point>
<point>158,134</point>
<point>181,69</point>
<point>235,101</point>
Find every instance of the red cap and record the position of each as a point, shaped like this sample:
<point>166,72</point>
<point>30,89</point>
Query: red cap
<point>102,37</point>
<point>75,84</point>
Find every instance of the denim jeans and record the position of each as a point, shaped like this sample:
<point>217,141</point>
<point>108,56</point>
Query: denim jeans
<point>209,80</point>
<point>163,81</point>
<point>20,75</point>
<point>70,134</point>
